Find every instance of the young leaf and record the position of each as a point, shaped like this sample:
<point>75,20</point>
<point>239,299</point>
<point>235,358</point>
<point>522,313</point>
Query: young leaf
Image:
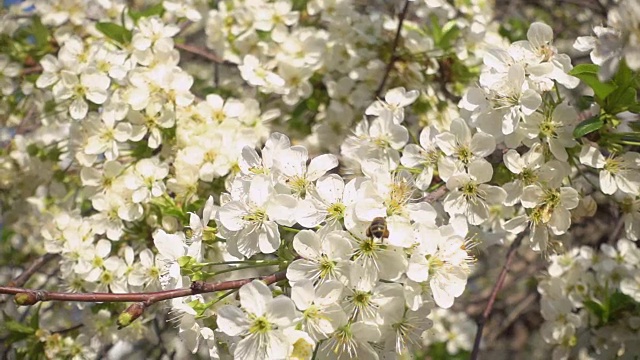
<point>588,73</point>
<point>115,32</point>
<point>450,32</point>
<point>588,126</point>
<point>154,10</point>
<point>40,33</point>
<point>621,100</point>
<point>596,309</point>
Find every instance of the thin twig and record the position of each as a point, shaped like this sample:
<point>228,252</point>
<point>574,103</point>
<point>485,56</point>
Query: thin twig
<point>396,40</point>
<point>184,26</point>
<point>435,194</point>
<point>67,330</point>
<point>200,52</point>
<point>494,293</point>
<point>36,69</point>
<point>522,306</point>
<point>616,231</point>
<point>148,298</point>
<point>30,270</point>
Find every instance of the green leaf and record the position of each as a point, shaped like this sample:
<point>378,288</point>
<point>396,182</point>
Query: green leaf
<point>450,32</point>
<point>436,30</point>
<point>588,73</point>
<point>621,100</point>
<point>154,10</point>
<point>624,76</point>
<point>34,321</point>
<point>632,139</point>
<point>186,261</point>
<point>40,33</point>
<point>16,327</point>
<point>595,308</point>
<point>115,32</point>
<point>439,351</point>
<point>514,29</point>
<point>635,108</point>
<point>501,175</point>
<point>620,303</point>
<point>588,126</point>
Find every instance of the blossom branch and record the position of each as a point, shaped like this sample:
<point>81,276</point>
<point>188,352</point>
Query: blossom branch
<point>30,270</point>
<point>396,41</point>
<point>36,69</point>
<point>522,307</point>
<point>31,297</point>
<point>435,194</point>
<point>494,293</point>
<point>200,52</point>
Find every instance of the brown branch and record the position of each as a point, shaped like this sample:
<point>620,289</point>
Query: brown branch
<point>30,270</point>
<point>494,293</point>
<point>184,26</point>
<point>396,41</point>
<point>615,234</point>
<point>67,330</point>
<point>31,297</point>
<point>435,194</point>
<point>522,306</point>
<point>200,52</point>
<point>36,69</point>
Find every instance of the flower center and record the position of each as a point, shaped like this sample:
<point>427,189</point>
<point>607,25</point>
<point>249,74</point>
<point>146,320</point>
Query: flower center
<point>613,165</point>
<point>257,216</point>
<point>336,211</point>
<point>464,154</point>
<point>327,267</point>
<point>260,325</point>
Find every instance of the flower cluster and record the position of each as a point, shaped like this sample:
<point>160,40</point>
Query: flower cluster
<point>615,42</point>
<point>455,329</point>
<point>347,274</point>
<point>590,302</point>
<point>351,235</point>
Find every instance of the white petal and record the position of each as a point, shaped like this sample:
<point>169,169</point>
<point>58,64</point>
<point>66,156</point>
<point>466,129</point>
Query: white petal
<point>513,161</point>
<point>269,238</point>
<point>308,214</point>
<point>307,244</point>
<point>78,109</point>
<point>330,188</point>
<point>303,294</point>
<point>591,156</point>
<point>281,208</point>
<point>169,245</point>
<point>231,215</point>
<point>607,182</point>
<point>254,297</point>
<point>232,321</point>
<point>531,195</point>
<point>539,34</point>
<point>482,144</point>
<point>320,165</point>
<point>281,311</point>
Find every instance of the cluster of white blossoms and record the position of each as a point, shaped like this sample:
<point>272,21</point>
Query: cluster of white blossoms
<point>369,215</point>
<point>341,49</point>
<point>590,302</point>
<point>454,329</point>
<point>118,110</point>
<point>139,100</point>
<point>370,253</point>
<point>615,42</point>
<point>352,284</point>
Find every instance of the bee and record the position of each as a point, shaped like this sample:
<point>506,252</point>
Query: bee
<point>378,228</point>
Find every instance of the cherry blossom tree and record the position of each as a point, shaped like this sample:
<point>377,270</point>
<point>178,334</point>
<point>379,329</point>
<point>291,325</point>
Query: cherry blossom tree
<point>314,179</point>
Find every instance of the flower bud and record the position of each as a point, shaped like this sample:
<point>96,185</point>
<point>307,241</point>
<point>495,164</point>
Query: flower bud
<point>26,298</point>
<point>131,314</point>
